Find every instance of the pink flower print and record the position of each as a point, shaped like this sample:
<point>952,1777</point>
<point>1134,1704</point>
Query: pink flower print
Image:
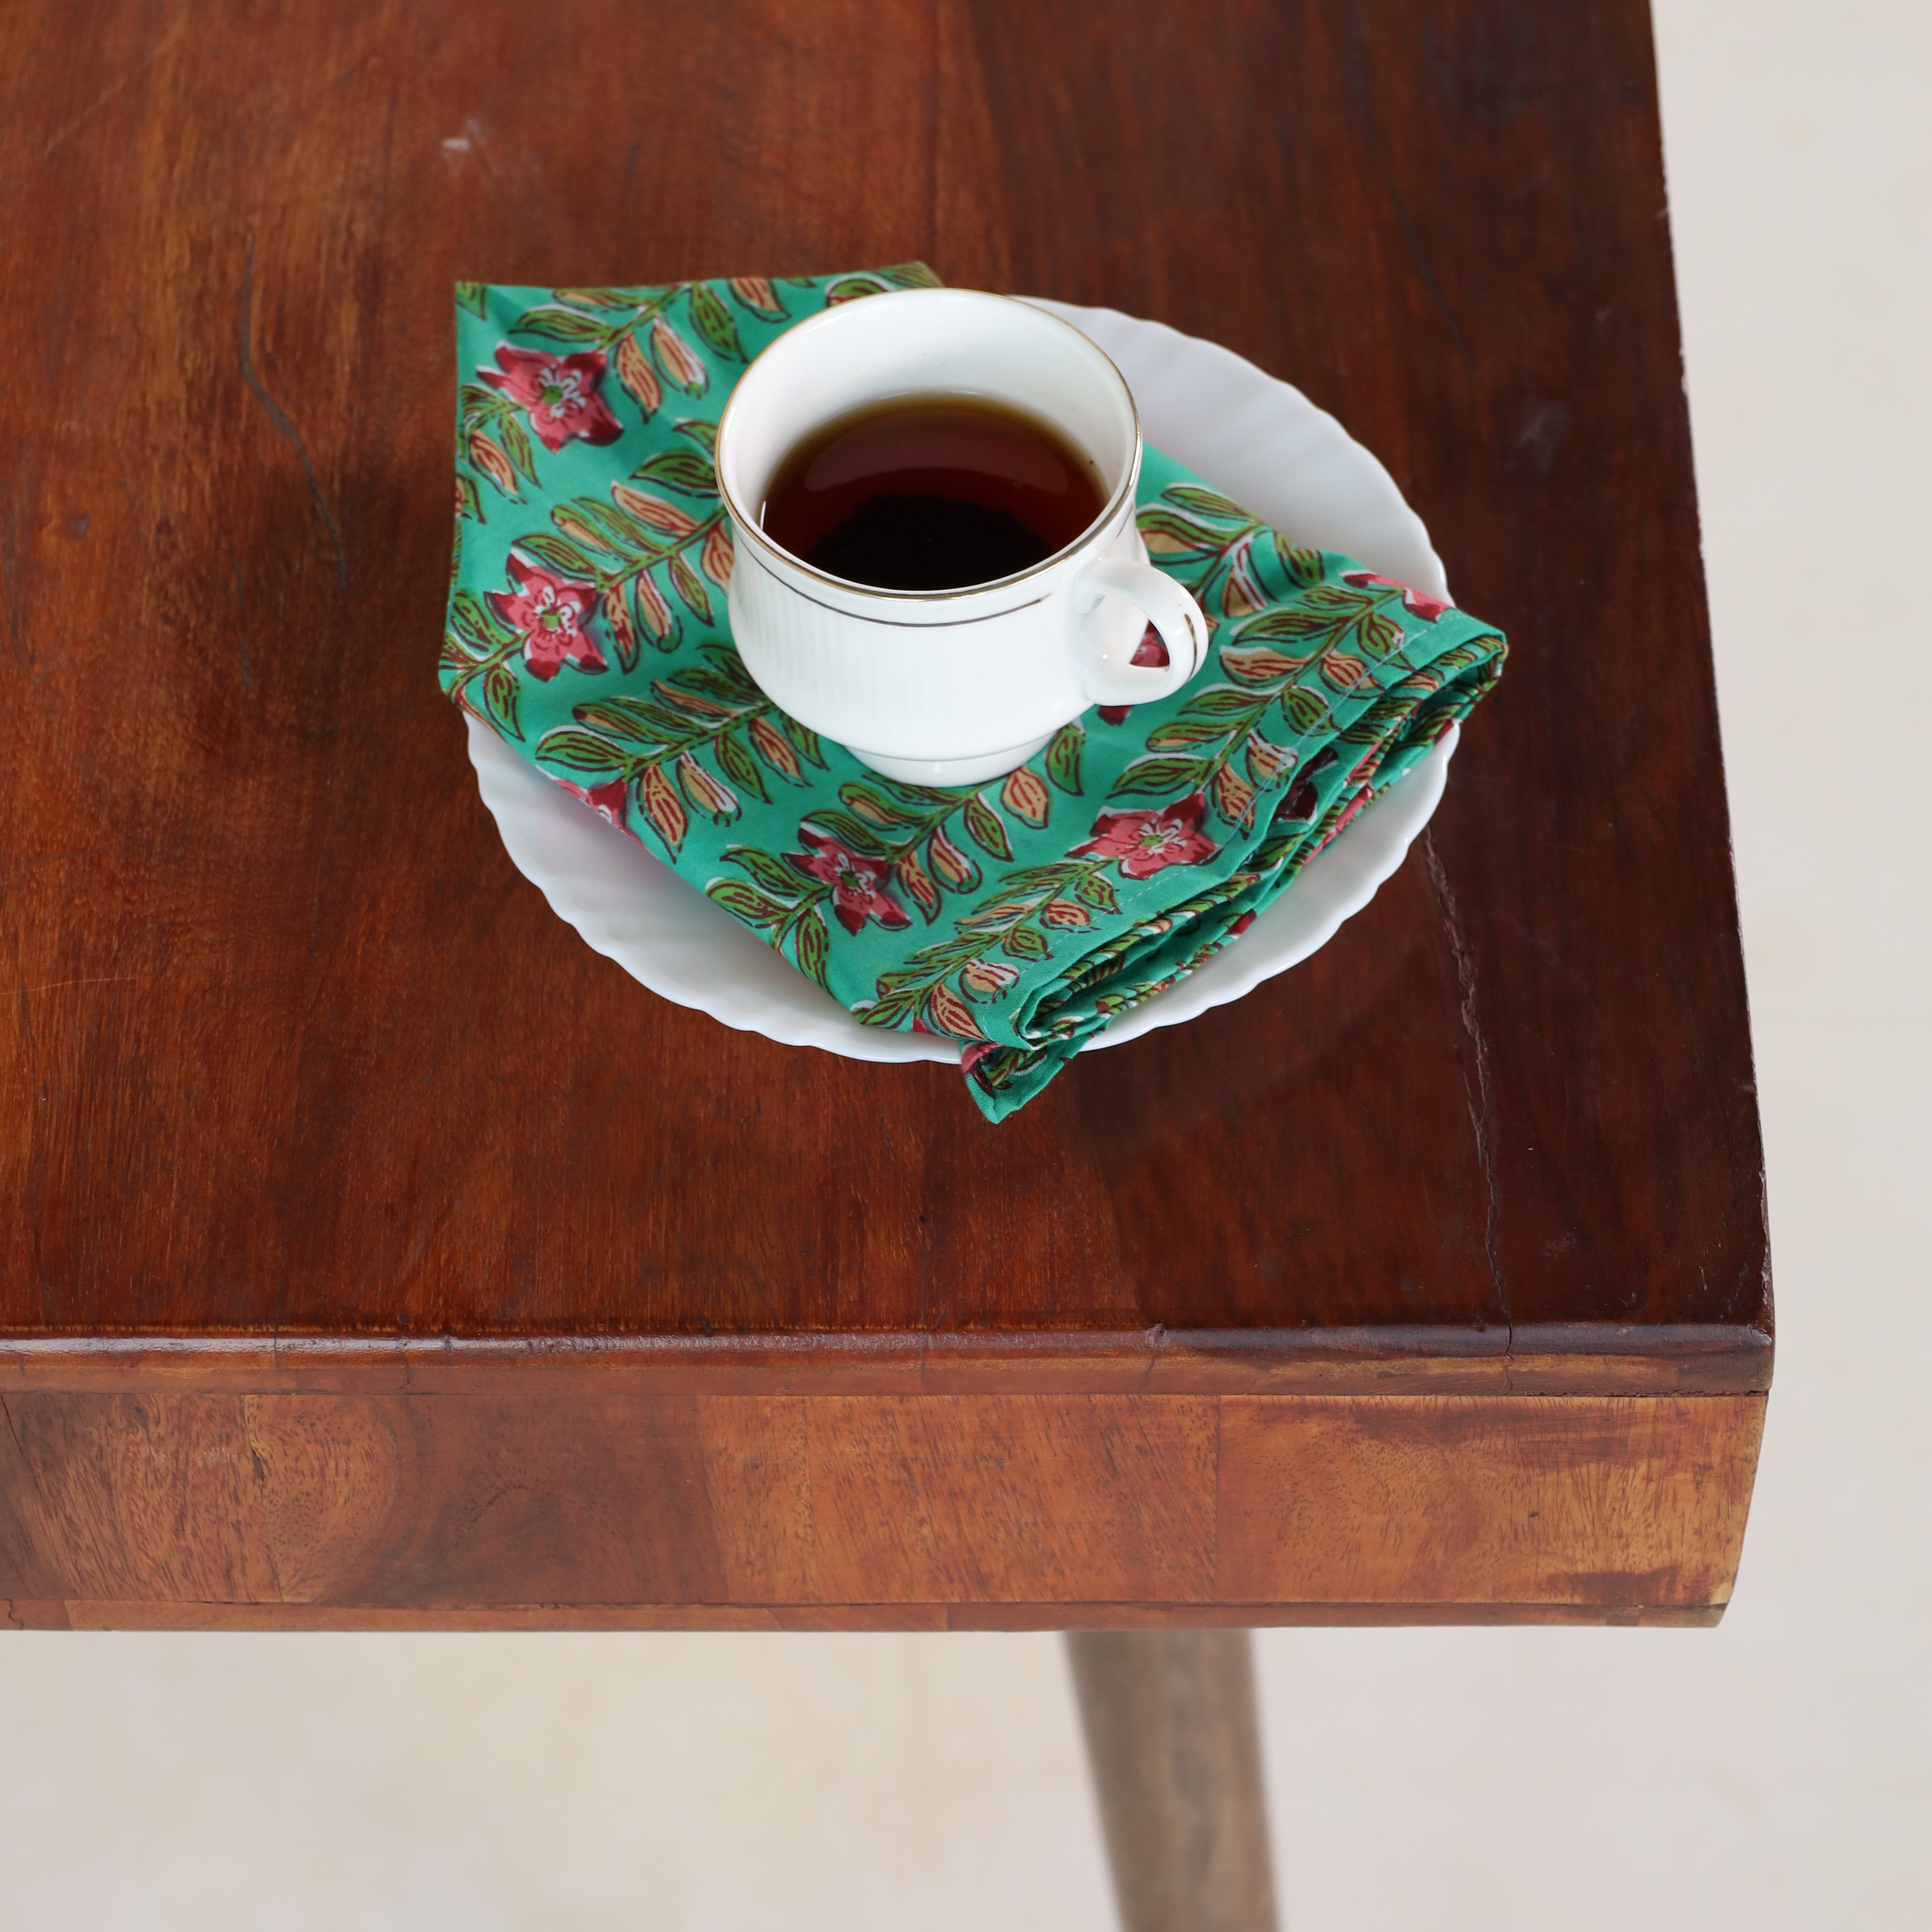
<point>1146,841</point>
<point>608,801</point>
<point>550,613</point>
<point>1299,804</point>
<point>1427,608</point>
<point>558,392</point>
<point>857,882</point>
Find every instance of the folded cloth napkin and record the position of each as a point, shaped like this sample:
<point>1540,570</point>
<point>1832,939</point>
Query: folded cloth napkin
<point>587,628</point>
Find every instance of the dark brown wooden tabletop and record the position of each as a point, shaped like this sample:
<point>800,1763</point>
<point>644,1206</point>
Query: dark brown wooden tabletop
<point>370,1250</point>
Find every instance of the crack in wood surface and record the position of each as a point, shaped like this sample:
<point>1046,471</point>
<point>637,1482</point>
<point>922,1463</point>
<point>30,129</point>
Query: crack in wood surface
<point>1357,70</point>
<point>1421,259</point>
<point>280,418</point>
<point>1482,1103</point>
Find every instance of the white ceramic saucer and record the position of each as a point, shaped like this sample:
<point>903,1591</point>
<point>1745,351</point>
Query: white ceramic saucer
<point>1259,441</point>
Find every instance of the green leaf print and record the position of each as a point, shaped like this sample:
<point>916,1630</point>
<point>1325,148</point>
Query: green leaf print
<point>588,626</point>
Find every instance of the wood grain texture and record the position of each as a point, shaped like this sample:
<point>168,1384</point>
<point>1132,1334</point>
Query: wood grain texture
<point>1594,1359</point>
<point>1174,1748</point>
<point>86,1613</point>
<point>291,1045</point>
<point>305,1093</point>
<point>848,1504</point>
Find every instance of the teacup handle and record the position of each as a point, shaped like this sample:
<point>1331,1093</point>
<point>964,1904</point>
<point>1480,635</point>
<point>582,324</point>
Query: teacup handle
<point>1174,614</point>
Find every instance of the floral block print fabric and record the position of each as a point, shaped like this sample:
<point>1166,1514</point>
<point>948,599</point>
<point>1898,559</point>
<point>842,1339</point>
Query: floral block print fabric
<point>587,628</point>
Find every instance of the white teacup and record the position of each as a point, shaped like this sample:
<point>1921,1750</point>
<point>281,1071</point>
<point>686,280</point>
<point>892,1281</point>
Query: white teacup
<point>948,687</point>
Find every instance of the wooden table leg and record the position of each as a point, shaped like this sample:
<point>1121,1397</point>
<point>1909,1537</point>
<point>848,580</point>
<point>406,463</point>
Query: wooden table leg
<point>1175,1749</point>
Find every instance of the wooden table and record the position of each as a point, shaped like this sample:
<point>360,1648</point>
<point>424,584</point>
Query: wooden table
<point>375,1254</point>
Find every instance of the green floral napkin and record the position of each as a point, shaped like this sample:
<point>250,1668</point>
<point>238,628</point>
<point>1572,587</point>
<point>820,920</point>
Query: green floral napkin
<point>587,628</point>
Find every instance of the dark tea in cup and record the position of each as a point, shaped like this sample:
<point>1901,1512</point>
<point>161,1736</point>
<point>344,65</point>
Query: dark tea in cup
<point>930,493</point>
<point>983,455</point>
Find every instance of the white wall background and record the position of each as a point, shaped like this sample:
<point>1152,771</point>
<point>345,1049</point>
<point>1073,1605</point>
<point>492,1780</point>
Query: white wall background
<point>1776,1773</point>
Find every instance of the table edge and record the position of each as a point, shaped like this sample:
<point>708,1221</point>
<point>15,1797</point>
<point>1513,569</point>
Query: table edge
<point>28,1613</point>
<point>1542,1359</point>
